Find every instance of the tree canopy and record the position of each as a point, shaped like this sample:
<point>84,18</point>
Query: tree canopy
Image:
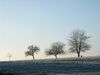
<point>56,49</point>
<point>31,50</point>
<point>79,42</point>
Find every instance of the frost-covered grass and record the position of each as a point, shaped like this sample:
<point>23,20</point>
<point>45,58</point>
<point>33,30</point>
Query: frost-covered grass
<point>71,66</point>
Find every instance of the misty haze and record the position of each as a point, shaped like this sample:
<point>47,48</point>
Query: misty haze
<point>49,37</point>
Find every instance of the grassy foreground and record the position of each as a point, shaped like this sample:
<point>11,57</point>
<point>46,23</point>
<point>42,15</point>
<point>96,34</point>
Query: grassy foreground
<point>71,66</point>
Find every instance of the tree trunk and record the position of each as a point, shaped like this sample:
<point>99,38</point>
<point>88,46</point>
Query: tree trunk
<point>33,56</point>
<point>78,54</point>
<point>55,56</point>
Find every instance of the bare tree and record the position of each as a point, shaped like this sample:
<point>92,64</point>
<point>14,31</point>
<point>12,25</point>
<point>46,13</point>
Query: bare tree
<point>56,49</point>
<point>79,42</point>
<point>9,56</point>
<point>32,50</point>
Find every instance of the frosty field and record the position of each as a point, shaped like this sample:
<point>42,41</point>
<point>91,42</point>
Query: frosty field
<point>84,66</point>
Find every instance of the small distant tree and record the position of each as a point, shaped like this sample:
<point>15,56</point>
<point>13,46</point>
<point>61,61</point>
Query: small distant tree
<point>79,42</point>
<point>56,49</point>
<point>9,56</point>
<point>32,50</point>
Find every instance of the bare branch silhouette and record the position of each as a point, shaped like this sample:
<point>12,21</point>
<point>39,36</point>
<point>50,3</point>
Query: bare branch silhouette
<point>31,50</point>
<point>56,49</point>
<point>79,42</point>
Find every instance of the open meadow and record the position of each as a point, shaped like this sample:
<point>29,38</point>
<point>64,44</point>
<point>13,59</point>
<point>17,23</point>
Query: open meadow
<point>72,66</point>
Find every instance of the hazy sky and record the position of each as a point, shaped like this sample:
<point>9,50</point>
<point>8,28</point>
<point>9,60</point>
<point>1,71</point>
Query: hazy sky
<point>41,22</point>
